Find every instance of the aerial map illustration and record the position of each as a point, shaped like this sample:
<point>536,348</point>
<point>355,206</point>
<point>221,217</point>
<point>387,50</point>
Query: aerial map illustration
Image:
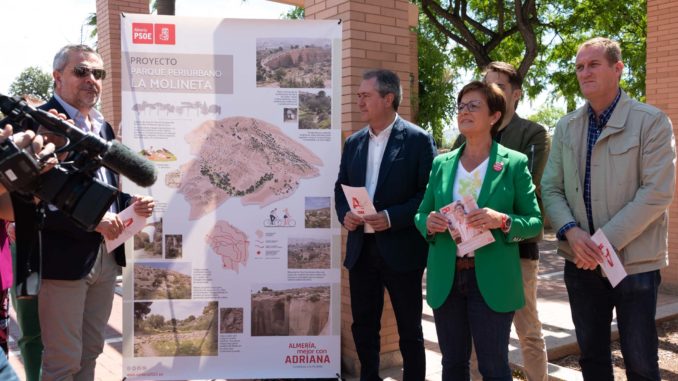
<point>230,243</point>
<point>243,157</point>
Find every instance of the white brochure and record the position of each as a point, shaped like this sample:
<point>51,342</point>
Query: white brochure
<point>470,238</point>
<point>132,222</point>
<point>360,203</point>
<point>612,266</point>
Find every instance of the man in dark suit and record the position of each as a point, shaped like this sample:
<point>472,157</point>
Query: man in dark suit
<point>392,159</point>
<point>78,274</point>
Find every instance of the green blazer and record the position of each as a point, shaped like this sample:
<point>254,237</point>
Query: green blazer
<point>507,188</point>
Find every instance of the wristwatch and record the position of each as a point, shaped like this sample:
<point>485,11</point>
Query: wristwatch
<point>506,223</point>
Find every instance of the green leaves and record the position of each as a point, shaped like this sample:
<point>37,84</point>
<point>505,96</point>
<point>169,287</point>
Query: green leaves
<point>32,81</point>
<point>540,38</point>
<point>435,98</point>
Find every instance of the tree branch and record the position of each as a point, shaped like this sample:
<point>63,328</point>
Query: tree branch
<point>500,17</point>
<point>523,13</point>
<point>465,38</point>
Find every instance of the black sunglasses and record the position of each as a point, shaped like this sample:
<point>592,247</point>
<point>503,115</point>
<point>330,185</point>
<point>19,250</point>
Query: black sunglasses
<point>84,71</point>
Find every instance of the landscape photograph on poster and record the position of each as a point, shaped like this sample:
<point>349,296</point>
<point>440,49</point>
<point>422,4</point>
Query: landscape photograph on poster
<point>294,62</point>
<point>175,328</point>
<point>162,280</point>
<point>317,213</point>
<point>231,320</point>
<point>289,310</point>
<point>289,114</point>
<point>148,241</point>
<point>315,109</point>
<point>173,246</point>
<point>308,253</point>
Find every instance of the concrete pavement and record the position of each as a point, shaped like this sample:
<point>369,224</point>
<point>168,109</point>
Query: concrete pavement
<point>554,312</point>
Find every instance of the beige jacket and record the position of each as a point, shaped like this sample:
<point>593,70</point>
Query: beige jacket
<point>632,181</point>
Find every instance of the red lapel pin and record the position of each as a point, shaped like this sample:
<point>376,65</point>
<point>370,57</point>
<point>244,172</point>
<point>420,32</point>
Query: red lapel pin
<point>498,166</point>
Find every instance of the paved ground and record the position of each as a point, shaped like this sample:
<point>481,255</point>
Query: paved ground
<point>553,307</point>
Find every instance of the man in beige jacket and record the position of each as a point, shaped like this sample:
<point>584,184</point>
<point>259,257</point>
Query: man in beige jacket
<point>611,167</point>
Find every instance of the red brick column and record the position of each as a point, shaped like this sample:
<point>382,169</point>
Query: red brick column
<point>662,91</point>
<point>376,34</point>
<point>108,31</point>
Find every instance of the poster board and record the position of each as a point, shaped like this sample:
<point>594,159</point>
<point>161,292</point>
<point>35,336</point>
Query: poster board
<point>237,274</point>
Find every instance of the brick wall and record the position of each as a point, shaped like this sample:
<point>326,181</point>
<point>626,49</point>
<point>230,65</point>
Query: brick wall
<point>662,92</point>
<point>108,30</point>
<point>376,34</point>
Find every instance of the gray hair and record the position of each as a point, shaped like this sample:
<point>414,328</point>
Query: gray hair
<point>387,83</point>
<point>61,58</point>
<point>612,50</point>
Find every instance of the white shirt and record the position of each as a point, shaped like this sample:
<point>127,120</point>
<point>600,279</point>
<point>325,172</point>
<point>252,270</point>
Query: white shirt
<point>468,184</point>
<point>88,123</point>
<point>375,153</point>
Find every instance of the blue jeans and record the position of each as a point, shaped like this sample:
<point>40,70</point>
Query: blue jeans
<point>6,371</point>
<point>463,316</point>
<point>592,299</point>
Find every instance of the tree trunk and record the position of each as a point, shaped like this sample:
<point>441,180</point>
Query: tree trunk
<point>165,7</point>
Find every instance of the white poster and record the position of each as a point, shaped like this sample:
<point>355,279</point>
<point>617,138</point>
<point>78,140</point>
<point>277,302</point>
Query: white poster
<point>237,273</point>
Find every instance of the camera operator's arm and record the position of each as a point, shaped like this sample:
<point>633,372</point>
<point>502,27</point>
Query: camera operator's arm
<point>33,143</point>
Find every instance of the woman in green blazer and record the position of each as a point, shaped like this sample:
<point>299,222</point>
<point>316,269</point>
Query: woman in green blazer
<point>474,296</point>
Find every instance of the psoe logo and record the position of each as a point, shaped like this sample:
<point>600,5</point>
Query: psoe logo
<point>164,34</point>
<point>147,33</point>
<point>142,33</point>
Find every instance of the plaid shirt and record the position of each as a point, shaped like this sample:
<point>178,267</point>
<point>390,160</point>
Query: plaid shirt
<point>594,130</point>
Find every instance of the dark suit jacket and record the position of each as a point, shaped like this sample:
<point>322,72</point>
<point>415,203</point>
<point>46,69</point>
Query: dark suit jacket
<point>402,180</point>
<point>68,252</point>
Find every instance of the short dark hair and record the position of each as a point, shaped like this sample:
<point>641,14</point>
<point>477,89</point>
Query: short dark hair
<point>494,97</point>
<point>388,82</point>
<point>515,79</point>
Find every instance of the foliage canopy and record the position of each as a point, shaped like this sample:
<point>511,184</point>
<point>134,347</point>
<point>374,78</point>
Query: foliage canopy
<point>32,81</point>
<point>435,99</point>
<point>541,38</point>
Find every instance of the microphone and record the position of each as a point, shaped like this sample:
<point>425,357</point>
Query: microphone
<point>122,160</point>
<point>114,156</point>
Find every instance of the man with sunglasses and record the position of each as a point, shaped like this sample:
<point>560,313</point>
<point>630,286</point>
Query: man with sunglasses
<point>78,274</point>
<point>531,139</point>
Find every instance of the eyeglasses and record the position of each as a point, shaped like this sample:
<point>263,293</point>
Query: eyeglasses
<point>84,71</point>
<point>471,106</point>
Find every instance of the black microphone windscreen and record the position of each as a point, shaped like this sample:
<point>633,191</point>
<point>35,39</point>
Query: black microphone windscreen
<point>122,160</point>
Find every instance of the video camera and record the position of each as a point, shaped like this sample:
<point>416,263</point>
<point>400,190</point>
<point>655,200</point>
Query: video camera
<point>72,187</point>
